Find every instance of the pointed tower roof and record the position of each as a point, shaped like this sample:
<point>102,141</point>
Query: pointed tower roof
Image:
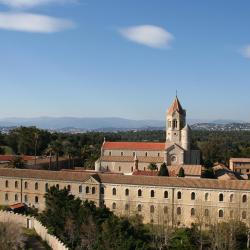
<point>176,106</point>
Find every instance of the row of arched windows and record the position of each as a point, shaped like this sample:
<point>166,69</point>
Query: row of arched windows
<point>221,197</point>
<point>134,153</point>
<point>17,198</point>
<point>139,193</point>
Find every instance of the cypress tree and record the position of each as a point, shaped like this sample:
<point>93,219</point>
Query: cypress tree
<point>163,170</point>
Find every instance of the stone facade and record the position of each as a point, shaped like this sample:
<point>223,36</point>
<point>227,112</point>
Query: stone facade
<point>127,157</point>
<point>240,165</point>
<point>160,200</point>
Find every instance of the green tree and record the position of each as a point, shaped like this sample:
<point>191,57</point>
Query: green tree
<point>181,172</point>
<point>163,170</point>
<point>152,166</point>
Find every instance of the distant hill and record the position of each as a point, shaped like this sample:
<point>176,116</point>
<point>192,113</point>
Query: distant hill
<point>74,124</point>
<point>81,123</point>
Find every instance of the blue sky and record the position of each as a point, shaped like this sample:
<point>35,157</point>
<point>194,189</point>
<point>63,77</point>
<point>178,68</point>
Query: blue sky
<point>91,58</point>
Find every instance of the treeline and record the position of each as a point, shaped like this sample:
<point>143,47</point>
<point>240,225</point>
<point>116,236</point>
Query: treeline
<point>214,146</point>
<point>82,225</point>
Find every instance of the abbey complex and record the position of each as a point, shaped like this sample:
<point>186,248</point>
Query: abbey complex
<point>122,183</point>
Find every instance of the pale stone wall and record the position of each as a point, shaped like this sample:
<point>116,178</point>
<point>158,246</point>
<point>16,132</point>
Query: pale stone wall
<point>149,153</point>
<point>165,209</point>
<point>125,167</point>
<point>32,223</point>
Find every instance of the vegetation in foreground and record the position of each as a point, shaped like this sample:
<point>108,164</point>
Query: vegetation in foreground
<point>81,225</point>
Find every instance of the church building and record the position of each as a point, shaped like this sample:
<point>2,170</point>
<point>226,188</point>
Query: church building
<point>127,157</point>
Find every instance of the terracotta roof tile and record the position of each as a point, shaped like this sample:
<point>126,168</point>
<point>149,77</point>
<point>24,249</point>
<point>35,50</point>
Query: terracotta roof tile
<point>135,145</point>
<point>246,160</point>
<point>126,179</point>
<point>176,106</point>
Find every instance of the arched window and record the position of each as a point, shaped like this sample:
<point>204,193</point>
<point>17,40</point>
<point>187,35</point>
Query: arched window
<point>114,205</point>
<point>25,198</point>
<point>169,123</point>
<point>132,169</point>
<point>152,193</point>
<point>16,197</point>
<point>80,189</point>
<point>152,209</point>
<point>221,213</point>
<point>244,198</point>
<point>119,168</point>
<point>165,209</point>
<point>231,197</point>
<point>179,195</point>
<point>16,184</point>
<point>69,187</point>
<point>36,186</point>
<point>146,154</point>
<point>139,193</point>
<point>166,194</point>
<point>178,211</point>
<point>93,190</point>
<point>46,187</point>
<point>221,197</point>
<point>114,191</point>
<point>121,153</point>
<point>206,196</point>
<point>25,184</point>
<point>133,154</point>
<point>127,192</point>
<point>139,208</point>
<point>57,186</point>
<point>174,123</point>
<point>109,153</point>
<point>6,197</point>
<point>206,213</point>
<point>192,211</point>
<point>6,184</point>
<point>126,206</point>
<point>244,215</point>
<point>193,196</point>
<point>36,199</point>
<point>102,190</point>
<point>87,190</point>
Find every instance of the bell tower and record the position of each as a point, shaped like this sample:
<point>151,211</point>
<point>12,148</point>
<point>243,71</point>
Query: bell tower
<point>175,122</point>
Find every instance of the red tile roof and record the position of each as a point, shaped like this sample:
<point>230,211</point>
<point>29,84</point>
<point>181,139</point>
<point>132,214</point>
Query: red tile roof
<point>128,179</point>
<point>135,145</point>
<point>11,157</point>
<point>190,170</point>
<point>145,173</point>
<point>176,106</point>
<point>17,205</point>
<point>246,160</point>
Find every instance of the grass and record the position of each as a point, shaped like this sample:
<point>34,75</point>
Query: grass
<point>34,241</point>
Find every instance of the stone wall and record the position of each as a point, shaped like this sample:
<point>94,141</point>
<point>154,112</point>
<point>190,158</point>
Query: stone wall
<point>32,223</point>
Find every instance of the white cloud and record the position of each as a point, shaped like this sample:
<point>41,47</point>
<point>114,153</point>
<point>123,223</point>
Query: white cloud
<point>246,51</point>
<point>30,3</point>
<point>33,22</point>
<point>149,35</point>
